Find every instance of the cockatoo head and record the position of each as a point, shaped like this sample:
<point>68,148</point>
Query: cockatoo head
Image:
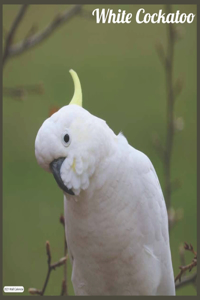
<point>72,143</point>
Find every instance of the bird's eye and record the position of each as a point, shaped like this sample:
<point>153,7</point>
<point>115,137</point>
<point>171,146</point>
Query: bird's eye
<point>66,139</point>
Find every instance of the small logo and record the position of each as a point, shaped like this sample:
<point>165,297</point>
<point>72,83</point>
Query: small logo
<point>13,289</point>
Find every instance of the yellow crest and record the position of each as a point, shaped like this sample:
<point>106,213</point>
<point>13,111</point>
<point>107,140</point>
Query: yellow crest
<point>77,98</point>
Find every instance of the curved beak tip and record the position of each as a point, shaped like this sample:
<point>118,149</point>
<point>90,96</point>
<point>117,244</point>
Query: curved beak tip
<point>55,167</point>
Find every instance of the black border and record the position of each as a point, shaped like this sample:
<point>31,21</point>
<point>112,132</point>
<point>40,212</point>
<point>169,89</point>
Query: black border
<point>97,2</point>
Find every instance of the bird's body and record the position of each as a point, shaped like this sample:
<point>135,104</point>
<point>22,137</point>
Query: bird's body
<point>116,220</point>
<point>120,244</point>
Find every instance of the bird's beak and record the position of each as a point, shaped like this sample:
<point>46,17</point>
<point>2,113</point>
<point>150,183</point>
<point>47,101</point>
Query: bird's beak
<point>55,166</point>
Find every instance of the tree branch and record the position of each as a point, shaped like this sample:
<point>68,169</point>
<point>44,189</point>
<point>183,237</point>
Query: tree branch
<point>19,92</point>
<point>64,291</point>
<point>165,153</point>
<point>187,280</point>
<point>170,112</point>
<point>51,267</point>
<point>167,60</point>
<point>37,38</point>
<point>11,33</point>
<point>189,266</point>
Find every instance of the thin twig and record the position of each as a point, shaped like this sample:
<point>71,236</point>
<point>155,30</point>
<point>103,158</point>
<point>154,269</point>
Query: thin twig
<point>187,280</point>
<point>182,255</point>
<point>37,38</point>
<point>166,151</point>
<point>190,248</point>
<point>183,269</point>
<point>64,291</point>
<point>64,288</point>
<point>50,268</point>
<point>190,266</point>
<point>11,33</point>
<point>170,111</point>
<point>19,92</point>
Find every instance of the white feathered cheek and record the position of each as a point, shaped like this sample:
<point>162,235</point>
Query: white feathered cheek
<point>76,172</point>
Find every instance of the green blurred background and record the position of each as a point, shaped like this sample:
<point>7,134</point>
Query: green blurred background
<point>123,82</point>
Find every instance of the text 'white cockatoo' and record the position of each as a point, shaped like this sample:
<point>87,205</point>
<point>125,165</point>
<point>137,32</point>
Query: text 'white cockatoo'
<point>116,220</point>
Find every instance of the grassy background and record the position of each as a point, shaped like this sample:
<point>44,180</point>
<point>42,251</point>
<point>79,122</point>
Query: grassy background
<point>123,82</point>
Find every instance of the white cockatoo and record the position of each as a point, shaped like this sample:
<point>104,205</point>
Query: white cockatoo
<point>116,220</point>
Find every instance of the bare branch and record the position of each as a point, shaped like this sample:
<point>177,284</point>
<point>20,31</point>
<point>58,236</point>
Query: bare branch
<point>48,252</point>
<point>190,266</point>
<point>11,33</point>
<point>182,254</point>
<point>37,38</point>
<point>34,291</point>
<point>186,268</point>
<point>20,92</point>
<point>165,152</point>
<point>187,280</point>
<point>190,248</point>
<point>31,31</point>
<point>51,267</point>
<point>16,93</point>
<point>170,111</point>
<point>64,291</point>
<point>64,288</point>
<point>59,263</point>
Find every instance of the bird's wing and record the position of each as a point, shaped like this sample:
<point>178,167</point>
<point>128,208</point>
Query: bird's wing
<point>151,219</point>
